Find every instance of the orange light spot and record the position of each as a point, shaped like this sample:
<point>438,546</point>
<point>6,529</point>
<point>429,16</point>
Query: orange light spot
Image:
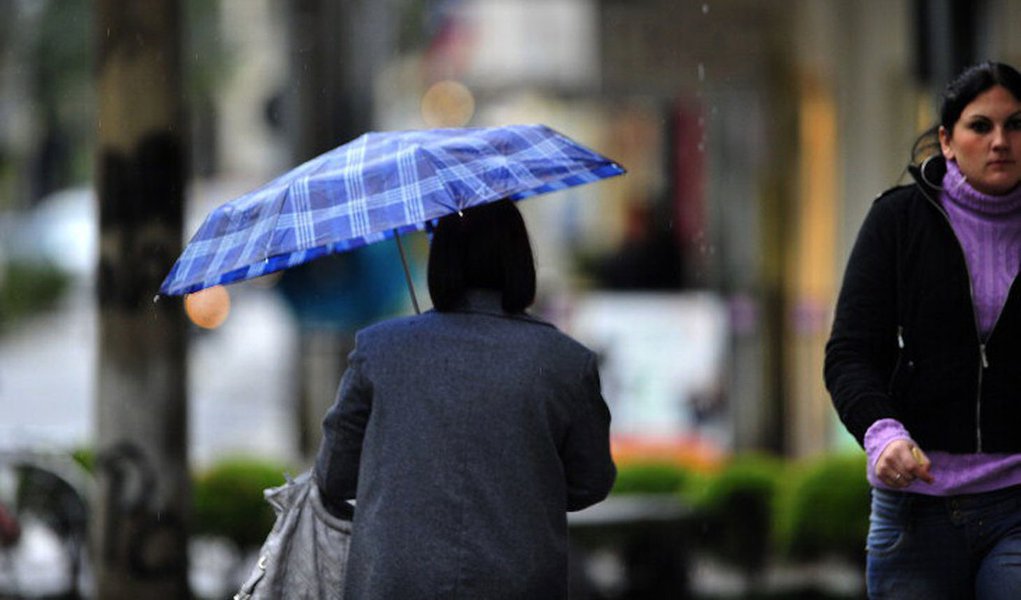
<point>448,104</point>
<point>208,308</point>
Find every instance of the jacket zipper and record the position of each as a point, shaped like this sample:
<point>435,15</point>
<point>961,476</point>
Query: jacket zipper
<point>983,362</point>
<point>978,404</point>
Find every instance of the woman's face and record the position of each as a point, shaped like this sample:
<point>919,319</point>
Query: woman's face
<point>986,141</point>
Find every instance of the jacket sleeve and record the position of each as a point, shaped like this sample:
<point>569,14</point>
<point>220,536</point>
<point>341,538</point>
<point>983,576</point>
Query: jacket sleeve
<point>340,452</point>
<point>862,348</point>
<point>588,465</point>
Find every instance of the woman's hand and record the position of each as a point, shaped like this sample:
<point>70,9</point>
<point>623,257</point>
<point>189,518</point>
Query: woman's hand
<point>901,463</point>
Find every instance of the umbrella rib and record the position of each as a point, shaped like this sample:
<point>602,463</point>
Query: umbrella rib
<point>481,191</point>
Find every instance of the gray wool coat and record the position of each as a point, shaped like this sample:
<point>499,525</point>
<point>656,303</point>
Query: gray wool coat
<point>465,438</point>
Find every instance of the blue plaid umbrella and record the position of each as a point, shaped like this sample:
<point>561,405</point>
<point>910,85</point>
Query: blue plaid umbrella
<point>377,186</point>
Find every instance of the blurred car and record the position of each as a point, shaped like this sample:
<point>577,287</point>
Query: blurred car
<point>61,231</point>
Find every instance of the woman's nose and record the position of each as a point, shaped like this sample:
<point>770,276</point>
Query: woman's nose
<point>1000,138</point>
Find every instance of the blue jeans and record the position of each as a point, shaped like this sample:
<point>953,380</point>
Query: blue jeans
<point>953,548</point>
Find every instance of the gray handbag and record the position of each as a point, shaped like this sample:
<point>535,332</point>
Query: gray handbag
<point>305,554</point>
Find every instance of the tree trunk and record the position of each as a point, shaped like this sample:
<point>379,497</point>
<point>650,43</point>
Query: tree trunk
<point>140,511</point>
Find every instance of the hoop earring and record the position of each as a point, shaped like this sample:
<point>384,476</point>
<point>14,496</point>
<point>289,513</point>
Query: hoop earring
<point>925,163</point>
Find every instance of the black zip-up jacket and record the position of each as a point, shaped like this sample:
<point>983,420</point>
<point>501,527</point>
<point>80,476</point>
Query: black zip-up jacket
<point>905,341</point>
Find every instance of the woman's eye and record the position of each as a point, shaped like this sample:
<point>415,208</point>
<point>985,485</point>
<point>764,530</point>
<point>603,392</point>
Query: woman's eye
<point>1013,125</point>
<point>980,127</point>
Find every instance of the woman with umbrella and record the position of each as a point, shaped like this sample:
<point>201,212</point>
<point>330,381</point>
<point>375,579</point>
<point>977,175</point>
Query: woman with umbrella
<point>465,434</point>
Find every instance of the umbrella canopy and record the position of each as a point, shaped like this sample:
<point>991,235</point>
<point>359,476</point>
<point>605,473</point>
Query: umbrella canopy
<point>376,186</point>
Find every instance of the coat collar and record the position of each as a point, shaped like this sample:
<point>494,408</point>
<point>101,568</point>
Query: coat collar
<point>482,301</point>
<point>489,302</point>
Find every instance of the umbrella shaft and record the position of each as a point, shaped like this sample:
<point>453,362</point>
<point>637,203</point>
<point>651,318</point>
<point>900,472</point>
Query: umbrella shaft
<point>407,272</point>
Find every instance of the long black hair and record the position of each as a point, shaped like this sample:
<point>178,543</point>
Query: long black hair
<point>972,82</point>
<point>484,248</point>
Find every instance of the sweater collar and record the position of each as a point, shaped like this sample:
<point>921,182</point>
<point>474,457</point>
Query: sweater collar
<point>956,189</point>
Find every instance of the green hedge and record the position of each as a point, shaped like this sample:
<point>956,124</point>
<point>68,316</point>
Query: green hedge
<point>736,508</point>
<point>229,501</point>
<point>86,458</point>
<point>824,508</point>
<point>652,477</point>
<point>28,288</point>
<point>757,505</point>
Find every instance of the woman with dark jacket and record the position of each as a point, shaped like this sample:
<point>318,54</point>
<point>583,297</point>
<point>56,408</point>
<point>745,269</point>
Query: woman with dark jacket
<point>924,361</point>
<point>465,434</point>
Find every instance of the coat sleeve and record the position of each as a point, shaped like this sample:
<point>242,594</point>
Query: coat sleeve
<point>862,348</point>
<point>340,452</point>
<point>588,465</point>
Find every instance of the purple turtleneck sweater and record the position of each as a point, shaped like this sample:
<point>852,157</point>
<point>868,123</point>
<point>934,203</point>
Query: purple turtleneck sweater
<point>989,229</point>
